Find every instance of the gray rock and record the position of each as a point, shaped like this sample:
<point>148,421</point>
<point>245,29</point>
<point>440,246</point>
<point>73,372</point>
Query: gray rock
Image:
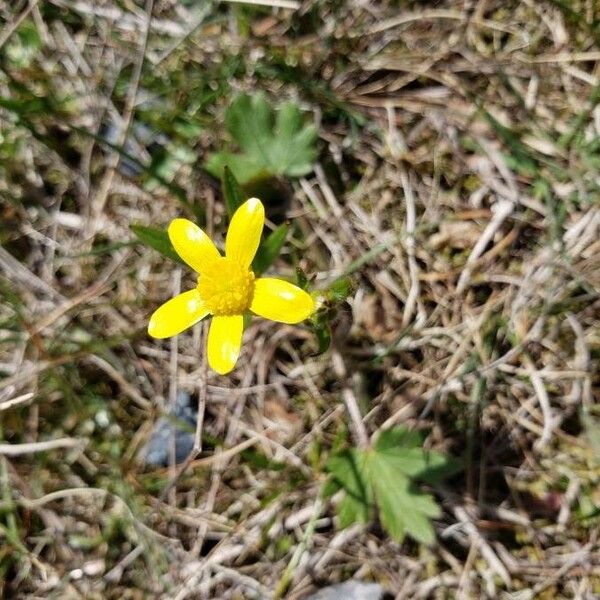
<point>182,421</point>
<point>350,590</point>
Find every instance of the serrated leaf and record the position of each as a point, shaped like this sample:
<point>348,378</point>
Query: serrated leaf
<point>271,144</point>
<point>331,487</point>
<point>349,470</point>
<point>234,196</point>
<point>384,476</point>
<point>402,448</point>
<point>289,119</point>
<point>398,437</point>
<point>403,508</point>
<point>243,166</point>
<point>294,152</point>
<point>350,511</point>
<point>249,119</point>
<point>269,250</point>
<point>420,464</point>
<point>157,239</point>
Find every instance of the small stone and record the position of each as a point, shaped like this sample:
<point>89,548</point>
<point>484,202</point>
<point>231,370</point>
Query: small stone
<point>350,590</point>
<point>102,418</point>
<point>94,568</point>
<point>182,421</point>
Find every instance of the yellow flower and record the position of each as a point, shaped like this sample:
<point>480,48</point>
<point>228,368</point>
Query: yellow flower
<point>227,287</point>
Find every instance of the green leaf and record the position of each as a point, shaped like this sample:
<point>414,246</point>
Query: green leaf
<point>234,196</point>
<point>245,167</point>
<point>384,476</point>
<point>293,152</point>
<point>398,437</point>
<point>352,510</point>
<point>349,470</point>
<point>270,144</point>
<point>402,448</point>
<point>157,239</point>
<point>301,279</point>
<point>402,507</point>
<point>269,250</point>
<point>249,119</point>
<point>322,330</point>
<point>340,289</point>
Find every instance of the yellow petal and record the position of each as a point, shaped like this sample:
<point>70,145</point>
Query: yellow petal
<point>177,314</point>
<point>245,229</point>
<point>224,342</point>
<point>281,301</point>
<point>192,244</point>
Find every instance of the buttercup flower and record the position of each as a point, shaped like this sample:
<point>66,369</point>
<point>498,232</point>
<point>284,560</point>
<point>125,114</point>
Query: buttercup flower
<point>227,287</point>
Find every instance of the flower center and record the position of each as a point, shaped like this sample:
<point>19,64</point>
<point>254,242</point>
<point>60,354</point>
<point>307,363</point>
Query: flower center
<point>226,287</point>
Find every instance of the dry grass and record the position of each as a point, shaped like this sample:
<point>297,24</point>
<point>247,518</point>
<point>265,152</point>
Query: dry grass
<point>457,181</point>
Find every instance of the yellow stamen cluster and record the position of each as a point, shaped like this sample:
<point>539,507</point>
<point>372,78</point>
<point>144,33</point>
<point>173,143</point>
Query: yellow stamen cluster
<point>226,287</point>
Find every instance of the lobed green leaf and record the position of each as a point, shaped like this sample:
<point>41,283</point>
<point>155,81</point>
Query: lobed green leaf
<point>270,143</point>
<point>385,476</point>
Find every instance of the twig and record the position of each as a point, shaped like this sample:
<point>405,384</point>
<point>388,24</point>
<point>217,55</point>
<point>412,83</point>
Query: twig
<point>243,580</point>
<point>411,218</point>
<point>19,273</point>
<point>486,550</point>
<point>115,574</point>
<point>583,362</point>
<point>502,210</point>
<point>291,4</point>
<point>453,15</point>
<point>20,449</point>
<point>544,401</point>
<point>16,401</point>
